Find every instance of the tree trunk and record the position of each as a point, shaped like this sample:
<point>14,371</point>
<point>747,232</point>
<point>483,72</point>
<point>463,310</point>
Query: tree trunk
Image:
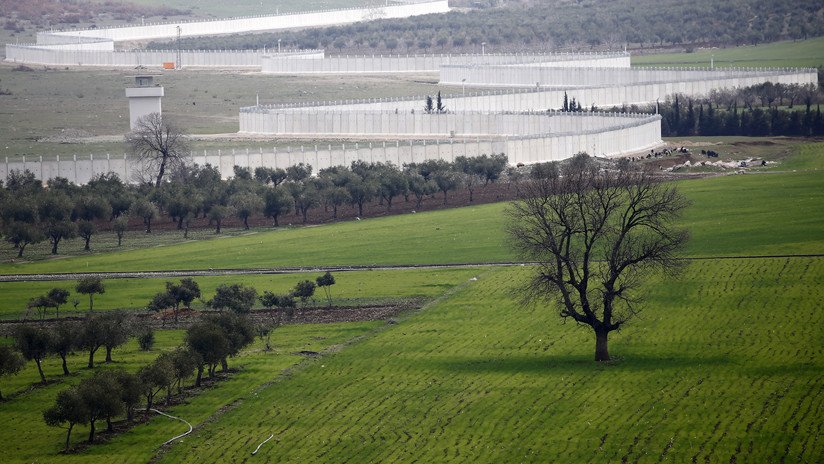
<point>91,358</point>
<point>54,246</point>
<point>275,217</point>
<point>119,239</point>
<point>109,426</point>
<point>246,222</point>
<point>20,251</point>
<point>199,376</point>
<point>601,348</point>
<point>224,365</point>
<point>91,301</point>
<point>69,435</point>
<point>86,248</point>
<point>91,431</point>
<point>109,354</point>
<point>40,370</point>
<point>161,171</point>
<point>65,366</point>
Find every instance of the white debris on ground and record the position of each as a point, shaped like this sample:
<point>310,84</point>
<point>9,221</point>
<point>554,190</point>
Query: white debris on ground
<point>67,136</point>
<point>747,163</point>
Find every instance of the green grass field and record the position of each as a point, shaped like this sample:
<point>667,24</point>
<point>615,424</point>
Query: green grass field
<point>730,215</point>
<point>724,364</point>
<point>802,53</point>
<point>351,288</point>
<point>29,439</point>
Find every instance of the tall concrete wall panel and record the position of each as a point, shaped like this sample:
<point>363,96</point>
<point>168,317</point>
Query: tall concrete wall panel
<point>274,64</point>
<point>95,47</point>
<point>632,134</point>
<point>532,76</point>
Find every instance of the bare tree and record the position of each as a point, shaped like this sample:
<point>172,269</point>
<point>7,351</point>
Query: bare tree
<point>595,234</point>
<point>160,145</point>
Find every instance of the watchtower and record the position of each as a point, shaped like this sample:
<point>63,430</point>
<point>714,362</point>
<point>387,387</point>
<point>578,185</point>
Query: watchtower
<point>144,98</point>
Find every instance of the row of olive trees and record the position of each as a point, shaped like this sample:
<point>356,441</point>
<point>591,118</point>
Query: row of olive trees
<point>36,343</point>
<point>31,213</point>
<point>208,343</point>
<point>57,297</point>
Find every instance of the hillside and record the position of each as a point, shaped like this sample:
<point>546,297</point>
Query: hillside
<point>556,24</point>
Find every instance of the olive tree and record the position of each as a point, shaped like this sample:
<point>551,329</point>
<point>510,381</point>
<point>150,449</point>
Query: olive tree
<point>70,409</point>
<point>325,282</point>
<point>90,286</point>
<point>64,338</point>
<point>11,361</point>
<point>235,297</point>
<point>33,343</point>
<point>304,290</point>
<point>58,297</point>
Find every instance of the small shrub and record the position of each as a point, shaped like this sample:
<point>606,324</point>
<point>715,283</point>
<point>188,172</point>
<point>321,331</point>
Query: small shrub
<point>146,339</point>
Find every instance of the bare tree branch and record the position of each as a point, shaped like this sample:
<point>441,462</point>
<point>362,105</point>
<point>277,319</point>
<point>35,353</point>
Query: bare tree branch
<point>597,233</point>
<point>160,146</point>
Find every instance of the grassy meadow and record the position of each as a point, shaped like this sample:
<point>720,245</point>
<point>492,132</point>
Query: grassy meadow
<point>724,364</point>
<point>49,103</point>
<point>729,215</point>
<point>351,288</point>
<point>796,54</point>
<point>30,440</point>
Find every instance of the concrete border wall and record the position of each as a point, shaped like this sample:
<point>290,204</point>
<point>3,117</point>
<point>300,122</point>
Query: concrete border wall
<point>275,64</point>
<point>632,134</point>
<point>133,58</point>
<point>539,76</point>
<point>95,47</point>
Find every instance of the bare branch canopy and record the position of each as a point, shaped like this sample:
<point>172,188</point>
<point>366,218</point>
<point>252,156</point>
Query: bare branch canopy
<point>160,145</point>
<point>597,231</point>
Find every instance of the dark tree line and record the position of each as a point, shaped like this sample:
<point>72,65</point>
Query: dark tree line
<point>209,343</point>
<point>37,342</point>
<point>552,24</point>
<point>762,110</point>
<point>31,213</point>
<point>114,394</point>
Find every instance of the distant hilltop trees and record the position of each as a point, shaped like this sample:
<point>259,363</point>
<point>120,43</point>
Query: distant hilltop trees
<point>552,24</point>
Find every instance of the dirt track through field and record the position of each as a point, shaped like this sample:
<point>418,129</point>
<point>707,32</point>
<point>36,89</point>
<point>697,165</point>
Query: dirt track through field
<point>298,270</point>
